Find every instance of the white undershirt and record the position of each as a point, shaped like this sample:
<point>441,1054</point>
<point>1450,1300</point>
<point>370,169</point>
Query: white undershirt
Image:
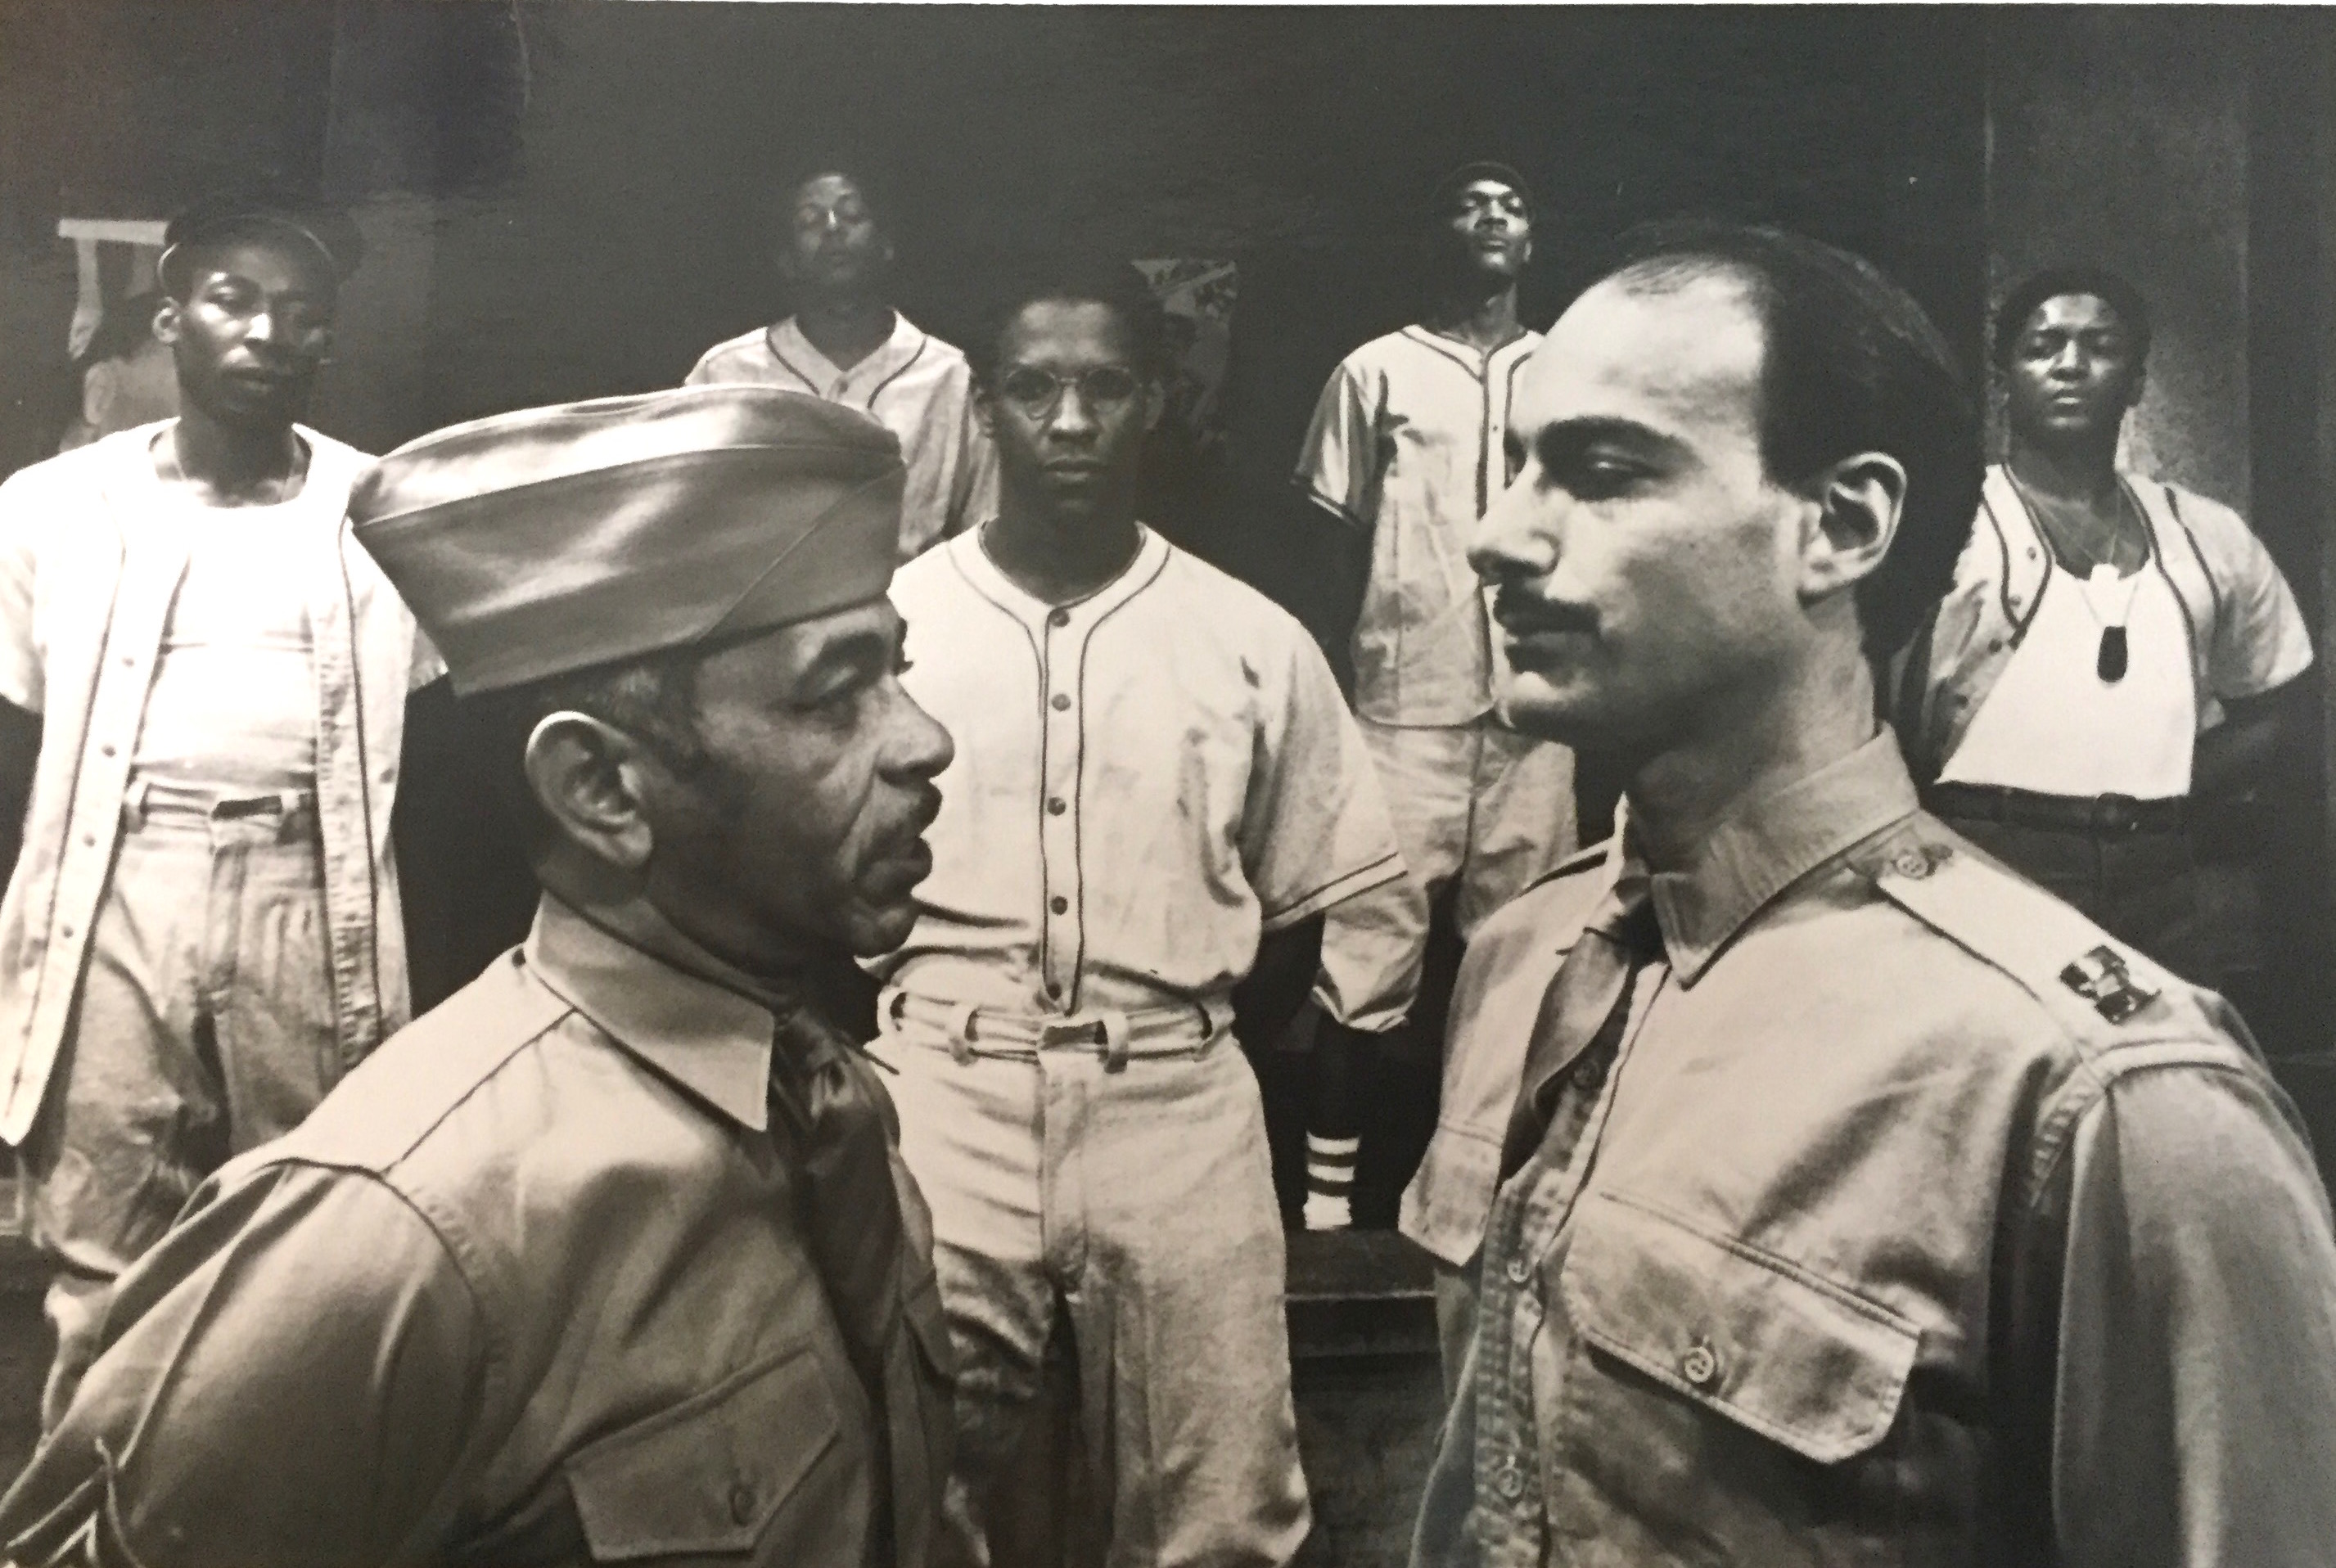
<point>233,701</point>
<point>2052,724</point>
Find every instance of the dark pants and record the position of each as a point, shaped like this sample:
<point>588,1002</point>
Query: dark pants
<point>2143,887</point>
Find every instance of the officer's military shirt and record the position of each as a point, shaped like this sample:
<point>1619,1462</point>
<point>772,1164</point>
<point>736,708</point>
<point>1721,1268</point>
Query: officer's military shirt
<point>531,1286</point>
<point>1911,1220</point>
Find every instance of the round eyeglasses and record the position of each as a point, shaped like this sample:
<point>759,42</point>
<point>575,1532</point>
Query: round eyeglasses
<point>1038,393</point>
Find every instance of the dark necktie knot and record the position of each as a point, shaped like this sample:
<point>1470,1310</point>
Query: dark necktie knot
<point>1583,1011</point>
<point>850,1208</point>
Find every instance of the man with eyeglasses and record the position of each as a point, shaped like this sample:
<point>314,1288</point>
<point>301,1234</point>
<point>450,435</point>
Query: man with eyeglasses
<point>203,689</point>
<point>1157,790</point>
<point>847,344</point>
<point>1404,456</point>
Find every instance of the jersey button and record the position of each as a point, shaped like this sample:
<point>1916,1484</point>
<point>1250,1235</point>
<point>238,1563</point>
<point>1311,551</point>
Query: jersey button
<point>1519,1270</point>
<point>1059,617</point>
<point>1054,990</point>
<point>1059,904</point>
<point>1590,1076</point>
<point>1062,701</point>
<point>1055,806</point>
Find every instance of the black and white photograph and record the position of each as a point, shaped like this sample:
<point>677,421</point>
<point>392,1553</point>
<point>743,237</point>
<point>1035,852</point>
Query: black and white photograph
<point>1059,785</point>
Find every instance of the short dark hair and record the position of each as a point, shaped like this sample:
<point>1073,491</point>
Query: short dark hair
<point>1448,189</point>
<point>221,220</point>
<point>653,698</point>
<point>1117,286</point>
<point>875,190</point>
<point>2030,293</point>
<point>1849,364</point>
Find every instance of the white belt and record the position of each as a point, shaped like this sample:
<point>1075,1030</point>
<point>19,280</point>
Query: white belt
<point>971,1029</point>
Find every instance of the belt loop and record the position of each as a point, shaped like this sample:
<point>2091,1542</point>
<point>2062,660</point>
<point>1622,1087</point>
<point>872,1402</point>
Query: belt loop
<point>962,1033</point>
<point>288,806</point>
<point>1114,1040</point>
<point>133,806</point>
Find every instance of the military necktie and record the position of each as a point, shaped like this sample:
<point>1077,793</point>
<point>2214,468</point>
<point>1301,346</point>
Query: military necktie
<point>1586,1005</point>
<point>850,1209</point>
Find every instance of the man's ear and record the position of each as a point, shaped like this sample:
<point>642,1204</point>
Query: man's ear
<point>2140,385</point>
<point>1858,504</point>
<point>1156,403</point>
<point>166,322</point>
<point>985,407</point>
<point>585,774</point>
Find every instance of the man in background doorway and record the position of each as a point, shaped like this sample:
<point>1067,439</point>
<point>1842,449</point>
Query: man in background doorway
<point>1406,450</point>
<point>847,344</point>
<point>203,695</point>
<point>2116,665</point>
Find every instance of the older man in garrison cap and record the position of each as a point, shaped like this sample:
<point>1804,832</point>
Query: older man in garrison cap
<point>611,1256</point>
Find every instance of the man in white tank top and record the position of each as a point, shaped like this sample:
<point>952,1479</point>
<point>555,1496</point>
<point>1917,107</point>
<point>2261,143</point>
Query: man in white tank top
<point>2113,650</point>
<point>202,682</point>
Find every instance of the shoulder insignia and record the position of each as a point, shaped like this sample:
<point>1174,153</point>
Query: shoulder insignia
<point>2102,978</point>
<point>2059,956</point>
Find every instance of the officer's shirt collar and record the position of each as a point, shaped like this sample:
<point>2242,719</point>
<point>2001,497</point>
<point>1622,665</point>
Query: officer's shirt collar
<point>711,1038</point>
<point>1771,842</point>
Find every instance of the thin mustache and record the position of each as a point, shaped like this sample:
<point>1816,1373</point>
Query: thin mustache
<point>1519,612</point>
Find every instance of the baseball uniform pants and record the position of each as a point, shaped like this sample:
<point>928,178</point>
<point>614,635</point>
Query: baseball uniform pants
<point>1477,804</point>
<point>1139,1201</point>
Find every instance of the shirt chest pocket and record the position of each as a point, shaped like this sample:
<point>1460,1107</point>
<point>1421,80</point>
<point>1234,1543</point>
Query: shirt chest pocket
<point>1723,1395</point>
<point>708,1479</point>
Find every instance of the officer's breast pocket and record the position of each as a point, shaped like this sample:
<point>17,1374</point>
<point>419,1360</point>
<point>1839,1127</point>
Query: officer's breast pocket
<point>1735,1407</point>
<point>745,1472</point>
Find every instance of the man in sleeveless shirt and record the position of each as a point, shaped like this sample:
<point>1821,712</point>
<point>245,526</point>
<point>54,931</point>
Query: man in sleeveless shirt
<point>847,344</point>
<point>205,681</point>
<point>1405,451</point>
<point>2119,657</point>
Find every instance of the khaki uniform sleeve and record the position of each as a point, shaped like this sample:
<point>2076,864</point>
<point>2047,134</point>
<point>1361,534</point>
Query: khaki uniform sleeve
<point>1315,830</point>
<point>1338,465</point>
<point>288,1379</point>
<point>2196,1411</point>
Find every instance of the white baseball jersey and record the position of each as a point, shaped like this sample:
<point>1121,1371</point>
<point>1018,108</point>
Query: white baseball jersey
<point>1408,444</point>
<point>917,386</point>
<point>1145,782</point>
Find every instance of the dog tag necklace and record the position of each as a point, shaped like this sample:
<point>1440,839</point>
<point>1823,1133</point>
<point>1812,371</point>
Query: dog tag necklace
<point>2100,588</point>
<point>2100,583</point>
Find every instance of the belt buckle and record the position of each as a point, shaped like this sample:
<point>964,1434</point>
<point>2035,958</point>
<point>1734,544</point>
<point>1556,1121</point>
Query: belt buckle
<point>1067,1034</point>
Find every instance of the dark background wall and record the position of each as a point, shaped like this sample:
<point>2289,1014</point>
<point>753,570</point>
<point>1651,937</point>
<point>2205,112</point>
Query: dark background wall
<point>558,199</point>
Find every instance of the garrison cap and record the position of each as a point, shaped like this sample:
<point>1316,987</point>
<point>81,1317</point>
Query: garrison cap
<point>551,540</point>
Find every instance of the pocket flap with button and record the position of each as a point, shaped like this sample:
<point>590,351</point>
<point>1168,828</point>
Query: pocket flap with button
<point>705,1476</point>
<point>1797,1359</point>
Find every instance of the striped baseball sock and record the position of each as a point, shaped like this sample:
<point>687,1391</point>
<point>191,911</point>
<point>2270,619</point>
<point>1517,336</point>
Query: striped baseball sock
<point>1329,1182</point>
